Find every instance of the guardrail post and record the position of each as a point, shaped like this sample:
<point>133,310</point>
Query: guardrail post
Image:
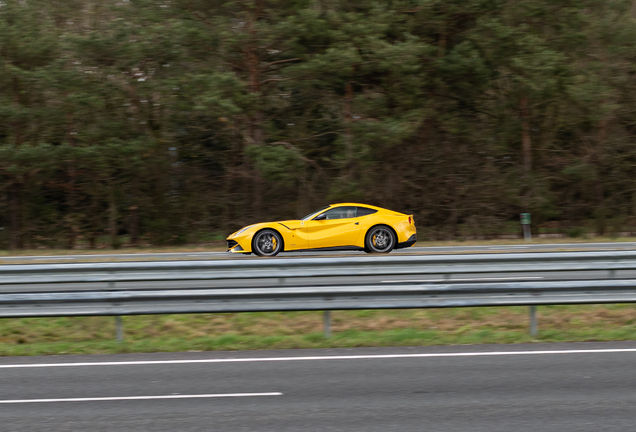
<point>119,325</point>
<point>119,329</point>
<point>533,320</point>
<point>326,319</point>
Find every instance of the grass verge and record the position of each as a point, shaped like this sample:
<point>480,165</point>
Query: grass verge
<point>365,328</point>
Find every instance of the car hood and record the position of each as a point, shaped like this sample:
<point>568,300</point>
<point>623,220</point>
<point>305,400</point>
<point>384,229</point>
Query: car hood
<point>287,224</point>
<point>292,224</point>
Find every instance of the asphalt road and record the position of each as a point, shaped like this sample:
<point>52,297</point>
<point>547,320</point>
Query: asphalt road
<point>412,250</point>
<point>539,387</point>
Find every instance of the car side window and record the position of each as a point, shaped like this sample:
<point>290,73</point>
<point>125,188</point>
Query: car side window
<point>364,211</point>
<point>341,213</point>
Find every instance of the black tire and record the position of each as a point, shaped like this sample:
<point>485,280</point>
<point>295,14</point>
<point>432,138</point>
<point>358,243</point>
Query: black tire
<point>379,239</point>
<point>267,243</point>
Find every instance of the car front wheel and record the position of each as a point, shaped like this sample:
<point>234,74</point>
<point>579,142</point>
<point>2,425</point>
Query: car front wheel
<point>379,239</point>
<point>267,243</point>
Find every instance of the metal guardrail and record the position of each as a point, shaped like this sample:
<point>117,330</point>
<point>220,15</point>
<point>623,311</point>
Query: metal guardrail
<point>395,296</point>
<point>291,268</point>
<point>36,290</point>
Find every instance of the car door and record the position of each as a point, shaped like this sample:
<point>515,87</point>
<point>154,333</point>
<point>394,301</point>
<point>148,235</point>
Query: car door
<point>294,234</point>
<point>334,228</point>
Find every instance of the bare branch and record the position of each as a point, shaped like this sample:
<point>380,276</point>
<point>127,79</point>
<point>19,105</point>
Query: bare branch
<point>273,80</point>
<point>278,62</point>
<point>316,136</point>
<point>290,146</point>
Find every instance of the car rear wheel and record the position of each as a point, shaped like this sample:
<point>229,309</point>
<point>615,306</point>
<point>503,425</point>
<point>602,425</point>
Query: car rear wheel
<point>267,243</point>
<point>379,239</point>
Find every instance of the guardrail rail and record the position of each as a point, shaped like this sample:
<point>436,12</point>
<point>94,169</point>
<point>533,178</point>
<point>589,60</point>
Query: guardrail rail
<point>291,284</point>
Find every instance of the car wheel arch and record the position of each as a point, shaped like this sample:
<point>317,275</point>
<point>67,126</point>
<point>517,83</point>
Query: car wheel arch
<point>282,238</point>
<point>395,236</point>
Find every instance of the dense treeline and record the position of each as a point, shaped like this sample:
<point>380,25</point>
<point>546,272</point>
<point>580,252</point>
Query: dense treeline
<point>168,120</point>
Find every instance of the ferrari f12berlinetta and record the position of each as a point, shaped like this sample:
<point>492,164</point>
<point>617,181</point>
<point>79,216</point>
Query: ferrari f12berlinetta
<point>346,226</point>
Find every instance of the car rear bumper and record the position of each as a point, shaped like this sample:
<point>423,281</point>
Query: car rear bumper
<point>410,242</point>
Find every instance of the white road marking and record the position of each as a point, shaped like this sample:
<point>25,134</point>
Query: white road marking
<point>465,280</point>
<point>122,398</point>
<point>319,358</point>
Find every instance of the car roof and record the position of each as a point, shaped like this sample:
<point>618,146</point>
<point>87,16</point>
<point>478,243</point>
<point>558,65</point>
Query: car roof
<point>355,205</point>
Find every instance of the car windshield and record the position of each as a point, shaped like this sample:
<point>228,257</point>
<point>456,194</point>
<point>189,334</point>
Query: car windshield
<point>312,214</point>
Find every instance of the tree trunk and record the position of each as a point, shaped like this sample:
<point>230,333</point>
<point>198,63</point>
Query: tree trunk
<point>227,197</point>
<point>453,218</point>
<point>443,36</point>
<point>348,118</point>
<point>17,126</point>
<point>112,221</point>
<point>256,120</point>
<point>15,189</point>
<point>71,202</point>
<point>525,136</point>
<point>92,240</point>
<point>135,108</point>
<point>229,180</point>
<point>94,217</point>
<point>15,206</point>
<point>133,221</point>
<point>134,225</point>
<point>301,203</point>
<point>601,222</point>
<point>71,193</point>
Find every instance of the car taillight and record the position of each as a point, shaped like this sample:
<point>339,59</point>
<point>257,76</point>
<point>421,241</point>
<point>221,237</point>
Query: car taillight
<point>409,220</point>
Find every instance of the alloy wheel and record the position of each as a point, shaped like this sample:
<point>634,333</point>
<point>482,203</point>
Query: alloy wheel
<point>380,240</point>
<point>267,243</point>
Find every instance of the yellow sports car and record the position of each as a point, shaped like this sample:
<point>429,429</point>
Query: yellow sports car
<point>345,226</point>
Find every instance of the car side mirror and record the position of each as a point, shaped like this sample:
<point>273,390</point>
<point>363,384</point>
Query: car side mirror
<point>321,217</point>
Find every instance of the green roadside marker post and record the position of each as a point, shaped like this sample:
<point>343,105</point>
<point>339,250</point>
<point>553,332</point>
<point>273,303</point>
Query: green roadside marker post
<point>525,223</point>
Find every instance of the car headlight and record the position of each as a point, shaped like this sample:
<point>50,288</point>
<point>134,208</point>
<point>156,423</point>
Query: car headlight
<point>243,229</point>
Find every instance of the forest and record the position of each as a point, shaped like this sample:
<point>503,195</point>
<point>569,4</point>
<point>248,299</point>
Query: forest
<point>162,122</point>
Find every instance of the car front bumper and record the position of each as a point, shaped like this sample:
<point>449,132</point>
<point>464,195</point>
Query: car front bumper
<point>234,247</point>
<point>239,244</point>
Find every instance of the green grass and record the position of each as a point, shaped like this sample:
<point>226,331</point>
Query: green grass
<point>367,328</point>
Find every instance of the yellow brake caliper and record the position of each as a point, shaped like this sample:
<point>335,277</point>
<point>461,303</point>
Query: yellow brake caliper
<point>374,237</point>
<point>273,242</point>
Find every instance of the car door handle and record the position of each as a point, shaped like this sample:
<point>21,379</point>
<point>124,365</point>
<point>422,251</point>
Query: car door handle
<point>357,223</point>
